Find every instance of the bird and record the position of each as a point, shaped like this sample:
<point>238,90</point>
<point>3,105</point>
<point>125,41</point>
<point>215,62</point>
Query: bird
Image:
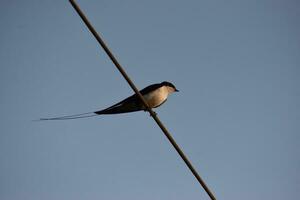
<point>155,95</point>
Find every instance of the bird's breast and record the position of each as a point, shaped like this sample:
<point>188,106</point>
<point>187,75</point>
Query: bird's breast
<point>156,97</point>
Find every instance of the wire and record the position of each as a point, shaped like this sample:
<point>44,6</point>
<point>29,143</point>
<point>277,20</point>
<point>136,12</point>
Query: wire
<point>152,113</point>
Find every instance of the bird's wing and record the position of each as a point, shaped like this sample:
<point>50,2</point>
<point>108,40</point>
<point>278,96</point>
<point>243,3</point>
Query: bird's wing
<point>150,88</point>
<point>130,104</point>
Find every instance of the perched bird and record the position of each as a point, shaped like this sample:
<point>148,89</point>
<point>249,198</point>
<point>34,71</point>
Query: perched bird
<point>155,95</point>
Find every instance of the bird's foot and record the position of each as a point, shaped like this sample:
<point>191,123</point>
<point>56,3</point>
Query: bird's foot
<point>154,113</point>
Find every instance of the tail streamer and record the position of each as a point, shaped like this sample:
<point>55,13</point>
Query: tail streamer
<point>67,117</point>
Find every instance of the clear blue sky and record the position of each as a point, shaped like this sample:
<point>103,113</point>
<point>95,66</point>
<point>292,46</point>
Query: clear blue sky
<point>236,64</point>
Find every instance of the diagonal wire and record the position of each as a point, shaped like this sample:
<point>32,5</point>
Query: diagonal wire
<point>152,113</point>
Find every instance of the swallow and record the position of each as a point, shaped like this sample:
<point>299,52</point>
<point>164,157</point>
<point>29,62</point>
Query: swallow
<point>155,95</point>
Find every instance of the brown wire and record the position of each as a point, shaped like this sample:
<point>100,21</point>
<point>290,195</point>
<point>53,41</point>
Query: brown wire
<point>152,113</point>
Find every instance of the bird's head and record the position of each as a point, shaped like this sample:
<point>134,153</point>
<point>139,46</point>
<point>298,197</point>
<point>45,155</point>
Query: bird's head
<point>170,86</point>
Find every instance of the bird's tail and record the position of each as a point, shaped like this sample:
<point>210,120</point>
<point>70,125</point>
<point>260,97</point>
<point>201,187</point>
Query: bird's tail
<point>67,117</point>
<point>115,109</point>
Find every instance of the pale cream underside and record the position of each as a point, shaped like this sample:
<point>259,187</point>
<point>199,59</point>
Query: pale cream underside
<point>158,96</point>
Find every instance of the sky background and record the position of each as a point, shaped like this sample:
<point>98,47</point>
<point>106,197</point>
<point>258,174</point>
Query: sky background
<point>236,64</point>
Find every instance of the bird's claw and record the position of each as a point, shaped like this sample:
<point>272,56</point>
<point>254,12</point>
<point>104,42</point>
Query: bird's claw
<point>154,113</point>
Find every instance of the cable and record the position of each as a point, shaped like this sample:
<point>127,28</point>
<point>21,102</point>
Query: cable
<point>152,113</point>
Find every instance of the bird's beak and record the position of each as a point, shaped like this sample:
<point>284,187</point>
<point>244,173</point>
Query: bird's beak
<point>176,90</point>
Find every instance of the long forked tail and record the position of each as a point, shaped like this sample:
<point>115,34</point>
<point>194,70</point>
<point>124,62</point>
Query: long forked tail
<point>115,109</point>
<point>67,117</point>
